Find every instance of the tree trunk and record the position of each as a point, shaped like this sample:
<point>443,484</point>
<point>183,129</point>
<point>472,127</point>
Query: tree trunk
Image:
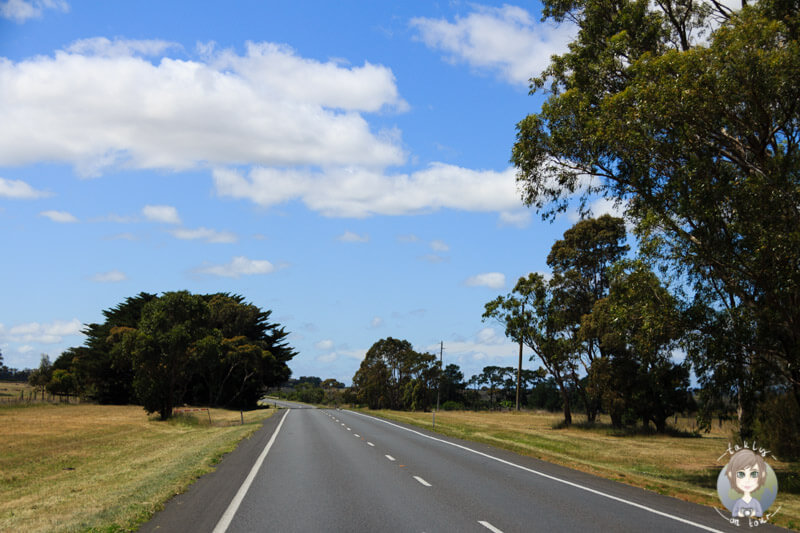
<point>565,400</point>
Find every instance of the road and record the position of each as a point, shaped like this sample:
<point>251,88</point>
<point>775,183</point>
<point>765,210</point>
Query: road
<point>329,470</point>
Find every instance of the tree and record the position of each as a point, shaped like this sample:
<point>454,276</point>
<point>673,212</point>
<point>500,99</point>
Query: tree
<point>639,324</point>
<point>160,349</point>
<point>581,262</point>
<point>62,383</point>
<point>688,114</point>
<point>452,383</point>
<point>394,376</point>
<point>513,312</point>
<point>212,349</point>
<point>41,376</point>
<point>541,331</point>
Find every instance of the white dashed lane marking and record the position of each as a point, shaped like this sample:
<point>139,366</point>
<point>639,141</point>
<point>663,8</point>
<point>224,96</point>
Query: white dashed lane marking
<point>422,481</point>
<point>489,526</point>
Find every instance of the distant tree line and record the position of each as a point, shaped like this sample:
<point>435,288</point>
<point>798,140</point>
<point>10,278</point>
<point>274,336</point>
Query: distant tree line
<point>314,390</point>
<point>163,351</point>
<point>12,374</point>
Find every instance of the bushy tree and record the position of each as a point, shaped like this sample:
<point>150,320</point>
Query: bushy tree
<point>581,262</point>
<point>639,325</point>
<point>395,376</point>
<point>213,349</point>
<point>40,376</point>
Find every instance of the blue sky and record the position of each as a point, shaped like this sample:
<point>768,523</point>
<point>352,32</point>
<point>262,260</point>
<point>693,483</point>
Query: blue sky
<point>344,164</point>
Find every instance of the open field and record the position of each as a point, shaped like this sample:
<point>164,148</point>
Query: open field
<point>679,466</point>
<point>12,389</point>
<point>93,467</point>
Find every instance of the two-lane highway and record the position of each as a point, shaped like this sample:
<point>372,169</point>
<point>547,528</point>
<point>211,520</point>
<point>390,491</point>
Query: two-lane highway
<point>331,470</point>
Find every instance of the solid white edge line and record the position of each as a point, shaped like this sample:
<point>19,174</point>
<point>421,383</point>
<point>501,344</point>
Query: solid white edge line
<point>548,476</point>
<point>489,526</point>
<point>422,481</point>
<point>390,457</point>
<point>369,443</point>
<point>229,513</point>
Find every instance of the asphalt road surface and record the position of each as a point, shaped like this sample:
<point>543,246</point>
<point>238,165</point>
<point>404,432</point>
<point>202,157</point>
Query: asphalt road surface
<point>314,470</point>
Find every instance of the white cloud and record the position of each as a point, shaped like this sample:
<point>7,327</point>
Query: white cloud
<point>600,207</point>
<point>34,332</point>
<point>103,47</point>
<point>99,104</point>
<point>240,266</point>
<point>359,193</point>
<point>326,344</point>
<point>112,276</point>
<point>19,190</point>
<point>328,357</point>
<point>439,246</point>
<point>21,10</point>
<point>376,322</point>
<point>492,280</point>
<point>407,238</point>
<point>519,219</point>
<point>161,213</point>
<point>62,217</point>
<point>349,236</point>
<point>208,235</point>
<point>506,40</point>
<point>488,336</point>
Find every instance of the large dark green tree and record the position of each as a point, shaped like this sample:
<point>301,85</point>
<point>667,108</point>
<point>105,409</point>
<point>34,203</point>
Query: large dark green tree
<point>160,348</point>
<point>689,113</point>
<point>160,351</point>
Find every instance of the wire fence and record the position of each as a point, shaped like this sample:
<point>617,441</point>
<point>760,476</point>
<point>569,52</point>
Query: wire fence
<point>38,396</point>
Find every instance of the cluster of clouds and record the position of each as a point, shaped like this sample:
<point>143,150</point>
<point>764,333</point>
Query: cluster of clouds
<point>359,192</point>
<point>507,41</point>
<point>39,333</point>
<point>267,107</point>
<point>299,126</point>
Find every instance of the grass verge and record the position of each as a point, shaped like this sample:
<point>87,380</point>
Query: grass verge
<point>681,465</point>
<point>104,468</point>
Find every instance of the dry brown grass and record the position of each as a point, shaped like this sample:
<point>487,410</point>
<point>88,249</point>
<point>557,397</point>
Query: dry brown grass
<point>12,389</point>
<point>91,467</point>
<point>680,466</point>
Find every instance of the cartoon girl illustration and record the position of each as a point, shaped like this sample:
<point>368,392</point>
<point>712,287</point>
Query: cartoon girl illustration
<point>747,472</point>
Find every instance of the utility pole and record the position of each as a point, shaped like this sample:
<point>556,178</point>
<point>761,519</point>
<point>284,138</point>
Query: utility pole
<point>519,367</point>
<point>439,388</point>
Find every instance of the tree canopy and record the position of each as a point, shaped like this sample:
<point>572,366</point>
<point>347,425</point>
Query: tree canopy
<point>160,351</point>
<point>395,376</point>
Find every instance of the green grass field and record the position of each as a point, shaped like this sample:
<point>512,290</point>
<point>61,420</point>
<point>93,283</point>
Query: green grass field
<point>104,468</point>
<point>676,465</point>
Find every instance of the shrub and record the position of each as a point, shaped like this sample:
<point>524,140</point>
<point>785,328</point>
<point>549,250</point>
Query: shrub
<point>450,405</point>
<point>778,426</point>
